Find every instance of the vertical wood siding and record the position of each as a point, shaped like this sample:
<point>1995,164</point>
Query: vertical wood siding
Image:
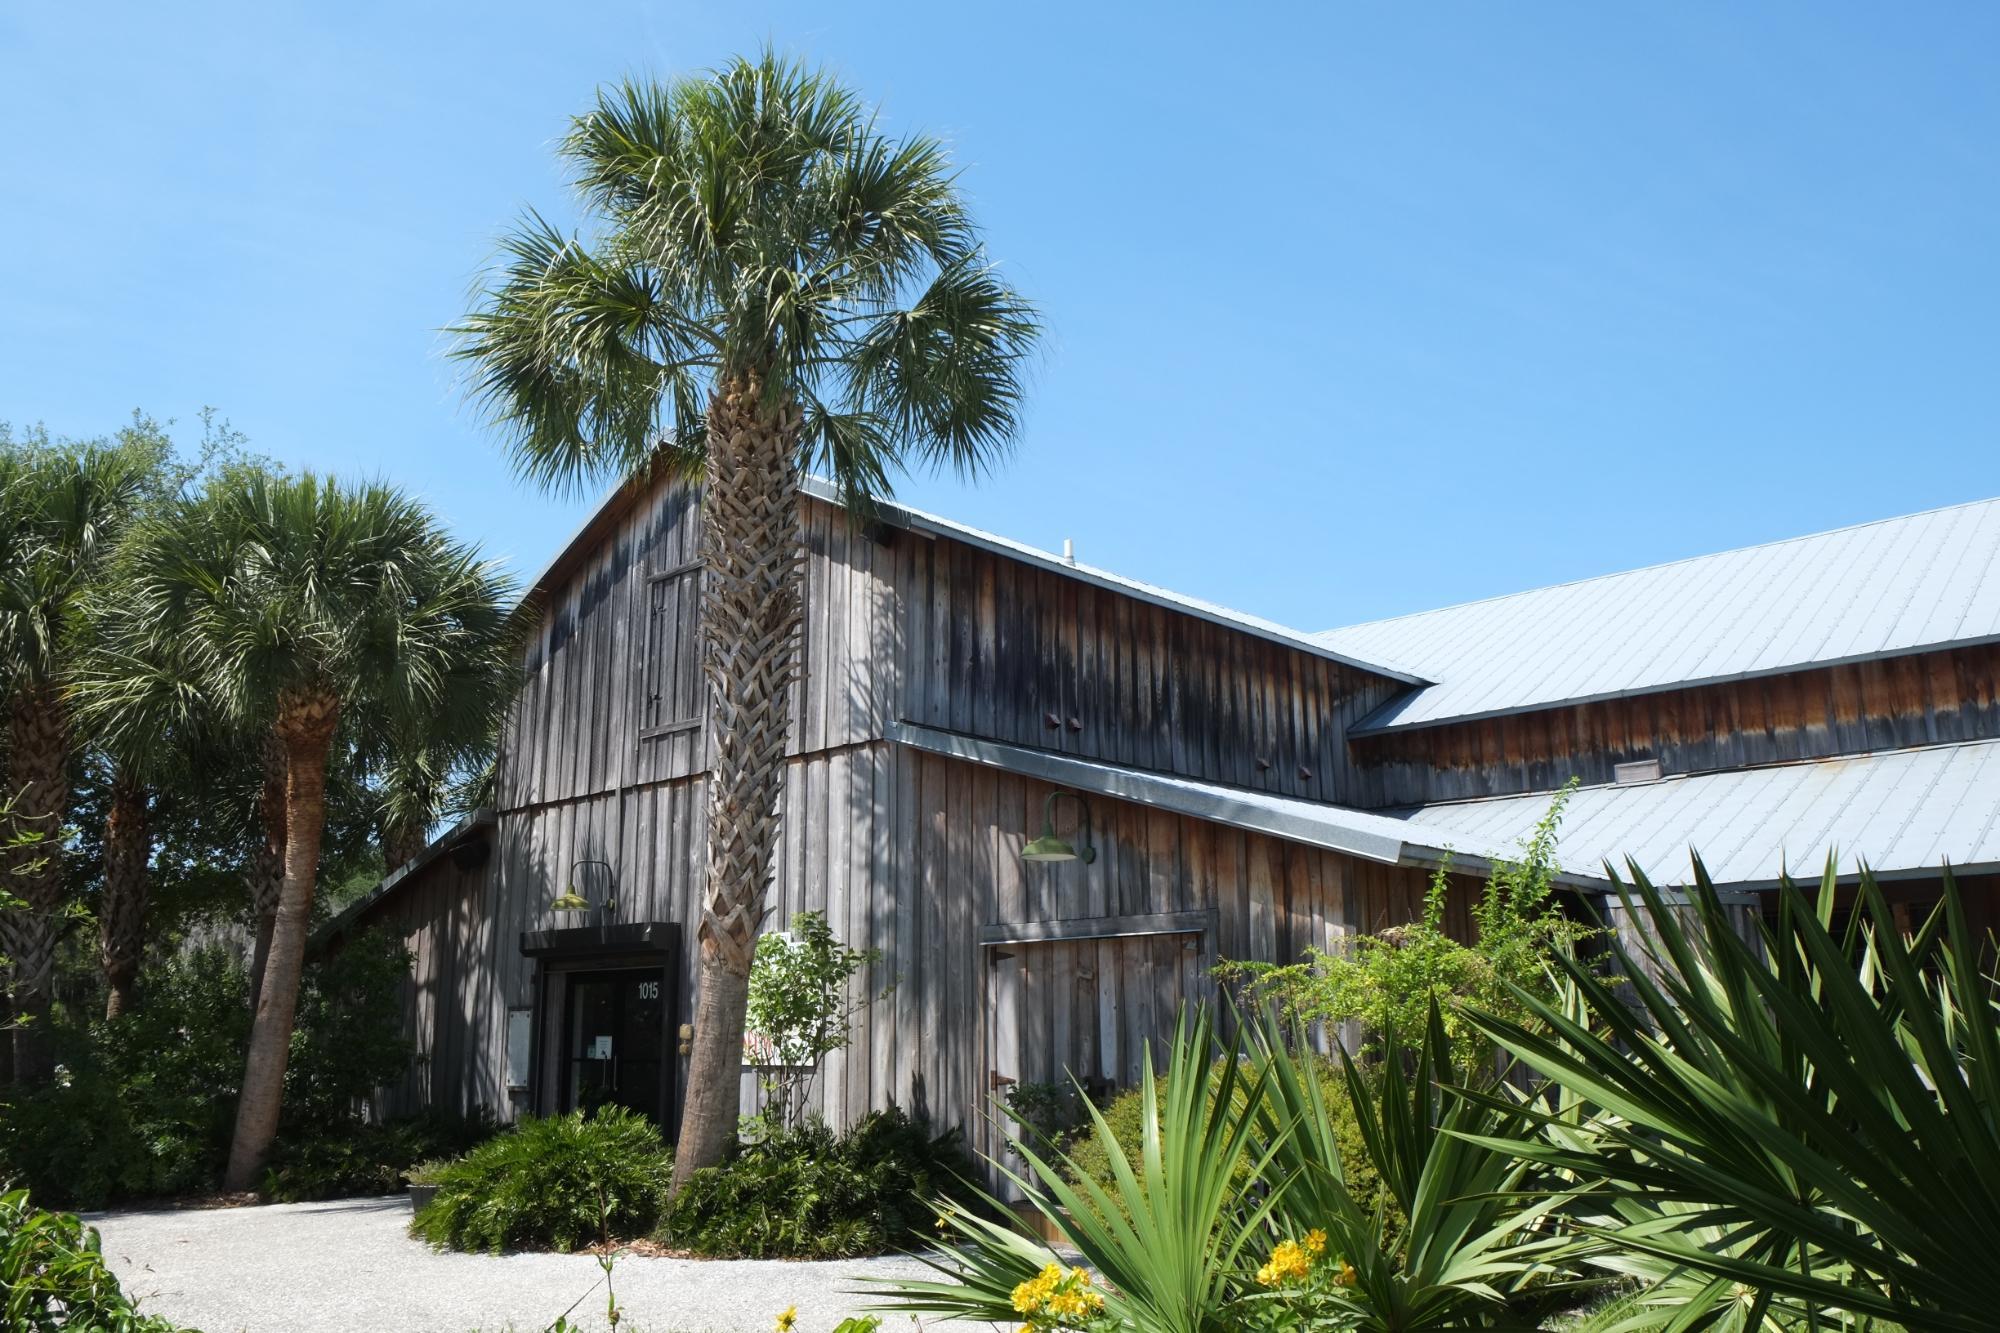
<point>1000,649</point>
<point>912,855</point>
<point>1921,699</point>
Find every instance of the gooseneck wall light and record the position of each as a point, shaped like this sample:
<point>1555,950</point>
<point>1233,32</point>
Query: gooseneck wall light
<point>572,898</point>
<point>1049,847</point>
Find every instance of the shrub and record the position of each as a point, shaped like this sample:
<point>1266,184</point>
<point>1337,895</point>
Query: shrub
<point>1388,982</point>
<point>1824,1093</point>
<point>811,1194</point>
<point>369,1158</point>
<point>800,1010</point>
<point>1088,1156</point>
<point>143,1107</point>
<point>52,1275</point>
<point>555,1184</point>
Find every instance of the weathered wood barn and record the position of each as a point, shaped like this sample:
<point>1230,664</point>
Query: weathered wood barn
<point>1248,790</point>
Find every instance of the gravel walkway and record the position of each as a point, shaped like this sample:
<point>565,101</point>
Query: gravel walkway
<point>348,1266</point>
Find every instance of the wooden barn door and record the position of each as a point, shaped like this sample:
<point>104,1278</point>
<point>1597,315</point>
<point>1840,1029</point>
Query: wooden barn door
<point>1059,1013</point>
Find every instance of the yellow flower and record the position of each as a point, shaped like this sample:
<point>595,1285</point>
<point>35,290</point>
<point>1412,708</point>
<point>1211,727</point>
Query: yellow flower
<point>788,1318</point>
<point>1346,1277</point>
<point>1288,1261</point>
<point>1056,1298</point>
<point>1316,1242</point>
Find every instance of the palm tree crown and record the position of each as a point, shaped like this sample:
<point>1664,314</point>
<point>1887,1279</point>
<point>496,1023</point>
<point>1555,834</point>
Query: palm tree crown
<point>755,225</point>
<point>278,588</point>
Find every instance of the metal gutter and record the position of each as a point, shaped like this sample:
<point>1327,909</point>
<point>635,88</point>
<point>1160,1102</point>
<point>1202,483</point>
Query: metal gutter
<point>1360,833</point>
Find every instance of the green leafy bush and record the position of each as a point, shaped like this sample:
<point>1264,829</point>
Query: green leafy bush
<point>1087,1154</point>
<point>800,1010</point>
<point>53,1276</point>
<point>811,1194</point>
<point>555,1184</point>
<point>1389,981</point>
<point>363,1157</point>
<point>143,1107</point>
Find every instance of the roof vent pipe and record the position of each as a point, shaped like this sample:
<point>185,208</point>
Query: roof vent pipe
<point>1069,551</point>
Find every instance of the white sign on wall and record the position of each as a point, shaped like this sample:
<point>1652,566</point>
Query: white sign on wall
<point>520,1046</point>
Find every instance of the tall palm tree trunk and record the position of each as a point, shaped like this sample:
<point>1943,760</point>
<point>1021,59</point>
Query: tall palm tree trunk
<point>305,726</point>
<point>39,781</point>
<point>751,546</point>
<point>264,876</point>
<point>121,916</point>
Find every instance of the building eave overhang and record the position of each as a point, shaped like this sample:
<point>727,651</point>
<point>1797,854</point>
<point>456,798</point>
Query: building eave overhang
<point>1357,833</point>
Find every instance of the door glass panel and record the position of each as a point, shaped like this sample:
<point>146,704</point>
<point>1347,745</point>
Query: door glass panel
<point>617,1039</point>
<point>641,1035</point>
<point>593,1043</point>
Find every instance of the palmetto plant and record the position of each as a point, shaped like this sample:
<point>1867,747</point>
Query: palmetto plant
<point>62,509</point>
<point>1240,1149</point>
<point>1172,1237</point>
<point>1815,1114</point>
<point>773,286</point>
<point>1473,1246</point>
<point>287,603</point>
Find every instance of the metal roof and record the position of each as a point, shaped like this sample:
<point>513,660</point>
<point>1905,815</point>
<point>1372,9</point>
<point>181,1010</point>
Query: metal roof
<point>478,822</point>
<point>1894,586</point>
<point>1393,840</point>
<point>1901,812</point>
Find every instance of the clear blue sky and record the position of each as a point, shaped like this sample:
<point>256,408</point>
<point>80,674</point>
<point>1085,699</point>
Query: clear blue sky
<point>1355,309</point>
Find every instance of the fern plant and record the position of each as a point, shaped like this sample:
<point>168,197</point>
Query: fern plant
<point>560,1183</point>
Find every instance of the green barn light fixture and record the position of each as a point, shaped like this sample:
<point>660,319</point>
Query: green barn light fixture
<point>1048,847</point>
<point>571,899</point>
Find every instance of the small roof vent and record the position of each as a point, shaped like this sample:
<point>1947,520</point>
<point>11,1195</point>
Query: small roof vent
<point>1636,770</point>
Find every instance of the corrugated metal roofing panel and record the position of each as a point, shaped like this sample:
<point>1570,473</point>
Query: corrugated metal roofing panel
<point>1893,586</point>
<point>1899,811</point>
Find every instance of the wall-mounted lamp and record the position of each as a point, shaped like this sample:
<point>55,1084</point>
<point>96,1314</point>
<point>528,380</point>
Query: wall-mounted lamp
<point>1048,847</point>
<point>572,899</point>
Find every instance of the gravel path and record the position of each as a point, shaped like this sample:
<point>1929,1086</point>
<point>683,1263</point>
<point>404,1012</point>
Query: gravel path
<point>349,1266</point>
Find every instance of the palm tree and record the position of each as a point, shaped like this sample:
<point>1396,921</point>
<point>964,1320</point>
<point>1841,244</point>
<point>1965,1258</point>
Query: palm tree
<point>296,602</point>
<point>775,286</point>
<point>135,696</point>
<point>62,510</point>
<point>422,771</point>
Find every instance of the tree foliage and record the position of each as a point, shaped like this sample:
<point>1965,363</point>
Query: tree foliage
<point>1388,982</point>
<point>802,1008</point>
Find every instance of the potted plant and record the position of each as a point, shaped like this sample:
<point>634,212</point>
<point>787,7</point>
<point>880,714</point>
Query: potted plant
<point>423,1179</point>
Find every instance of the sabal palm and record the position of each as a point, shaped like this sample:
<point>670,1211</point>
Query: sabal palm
<point>290,602</point>
<point>62,509</point>
<point>775,286</point>
<point>140,716</point>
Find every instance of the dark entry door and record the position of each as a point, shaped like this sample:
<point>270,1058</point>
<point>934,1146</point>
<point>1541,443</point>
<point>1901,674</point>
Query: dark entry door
<point>615,1041</point>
